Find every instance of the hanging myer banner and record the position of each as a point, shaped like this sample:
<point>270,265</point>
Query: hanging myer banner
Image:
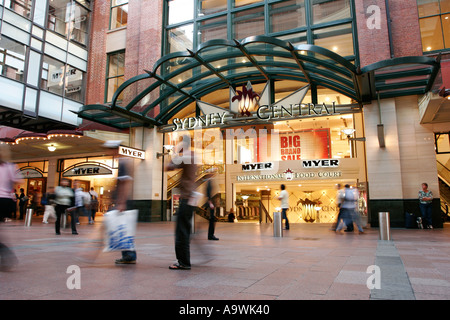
<point>132,152</point>
<point>247,106</point>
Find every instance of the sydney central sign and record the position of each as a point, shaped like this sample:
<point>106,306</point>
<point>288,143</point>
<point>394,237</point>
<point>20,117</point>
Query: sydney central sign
<point>246,106</point>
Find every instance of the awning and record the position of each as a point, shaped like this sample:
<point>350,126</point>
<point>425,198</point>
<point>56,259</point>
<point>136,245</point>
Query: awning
<point>178,79</point>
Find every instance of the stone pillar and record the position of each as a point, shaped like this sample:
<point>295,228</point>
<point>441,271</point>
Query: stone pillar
<point>149,187</point>
<point>396,172</point>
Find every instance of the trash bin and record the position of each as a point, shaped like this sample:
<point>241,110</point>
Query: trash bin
<point>277,226</point>
<point>384,221</point>
<point>28,217</point>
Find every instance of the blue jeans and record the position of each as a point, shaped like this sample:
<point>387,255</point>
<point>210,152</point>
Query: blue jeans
<point>426,210</point>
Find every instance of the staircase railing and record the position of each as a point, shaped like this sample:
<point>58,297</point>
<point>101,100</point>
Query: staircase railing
<point>262,208</point>
<point>443,172</point>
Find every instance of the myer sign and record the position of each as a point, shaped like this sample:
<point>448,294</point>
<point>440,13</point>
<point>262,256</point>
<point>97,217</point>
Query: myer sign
<point>257,166</point>
<point>86,170</point>
<point>131,152</point>
<point>322,163</point>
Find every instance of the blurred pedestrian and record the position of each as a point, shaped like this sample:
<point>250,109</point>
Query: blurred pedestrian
<point>231,215</point>
<point>284,198</point>
<point>184,158</point>
<point>23,203</point>
<point>65,200</point>
<point>210,204</point>
<point>349,213</point>
<point>16,201</point>
<point>122,193</point>
<point>48,201</point>
<point>8,178</point>
<point>426,200</point>
<point>339,197</point>
<point>94,204</point>
<point>82,202</point>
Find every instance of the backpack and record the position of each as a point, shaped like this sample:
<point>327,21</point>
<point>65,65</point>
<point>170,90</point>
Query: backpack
<point>94,201</point>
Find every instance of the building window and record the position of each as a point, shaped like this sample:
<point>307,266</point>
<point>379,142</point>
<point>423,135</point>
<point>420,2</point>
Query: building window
<point>442,141</point>
<point>249,23</point>
<point>62,79</point>
<point>328,23</point>
<point>12,59</point>
<point>70,19</point>
<point>22,7</point>
<point>115,74</point>
<point>287,15</point>
<point>434,20</point>
<point>119,14</point>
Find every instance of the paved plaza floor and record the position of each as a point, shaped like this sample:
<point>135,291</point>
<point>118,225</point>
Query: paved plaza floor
<point>310,262</point>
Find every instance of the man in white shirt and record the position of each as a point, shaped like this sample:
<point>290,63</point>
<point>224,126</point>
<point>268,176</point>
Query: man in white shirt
<point>284,197</point>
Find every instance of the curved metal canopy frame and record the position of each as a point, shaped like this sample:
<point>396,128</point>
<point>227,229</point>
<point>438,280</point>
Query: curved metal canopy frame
<point>180,78</point>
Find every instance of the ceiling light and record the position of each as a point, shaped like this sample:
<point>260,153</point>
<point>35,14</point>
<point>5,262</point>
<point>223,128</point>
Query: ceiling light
<point>51,148</point>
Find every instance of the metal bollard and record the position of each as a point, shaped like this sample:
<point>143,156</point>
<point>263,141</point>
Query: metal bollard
<point>28,217</point>
<point>193,223</point>
<point>277,225</point>
<point>384,221</point>
<point>63,222</point>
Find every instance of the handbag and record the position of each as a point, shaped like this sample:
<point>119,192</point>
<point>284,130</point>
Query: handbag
<point>120,229</point>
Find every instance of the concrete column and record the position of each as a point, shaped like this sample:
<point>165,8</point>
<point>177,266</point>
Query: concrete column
<point>396,172</point>
<point>149,192</point>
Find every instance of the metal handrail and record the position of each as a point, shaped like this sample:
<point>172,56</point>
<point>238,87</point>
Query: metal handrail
<point>263,209</point>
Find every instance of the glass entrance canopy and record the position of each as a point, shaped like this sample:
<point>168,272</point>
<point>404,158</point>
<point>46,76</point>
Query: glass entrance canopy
<point>181,78</point>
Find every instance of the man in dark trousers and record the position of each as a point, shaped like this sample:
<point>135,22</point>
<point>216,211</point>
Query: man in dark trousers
<point>210,204</point>
<point>184,158</point>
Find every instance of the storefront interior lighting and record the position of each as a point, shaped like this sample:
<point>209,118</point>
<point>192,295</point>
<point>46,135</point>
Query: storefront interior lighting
<point>348,132</point>
<point>42,136</point>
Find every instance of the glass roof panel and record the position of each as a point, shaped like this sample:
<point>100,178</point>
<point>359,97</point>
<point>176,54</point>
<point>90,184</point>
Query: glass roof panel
<point>178,79</point>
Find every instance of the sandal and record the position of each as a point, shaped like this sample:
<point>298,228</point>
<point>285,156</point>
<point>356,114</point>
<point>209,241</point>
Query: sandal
<point>177,266</point>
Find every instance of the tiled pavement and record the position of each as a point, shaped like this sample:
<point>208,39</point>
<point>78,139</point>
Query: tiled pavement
<point>309,263</point>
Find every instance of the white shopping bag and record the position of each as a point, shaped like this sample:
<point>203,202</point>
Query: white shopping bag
<point>195,198</point>
<point>120,230</point>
